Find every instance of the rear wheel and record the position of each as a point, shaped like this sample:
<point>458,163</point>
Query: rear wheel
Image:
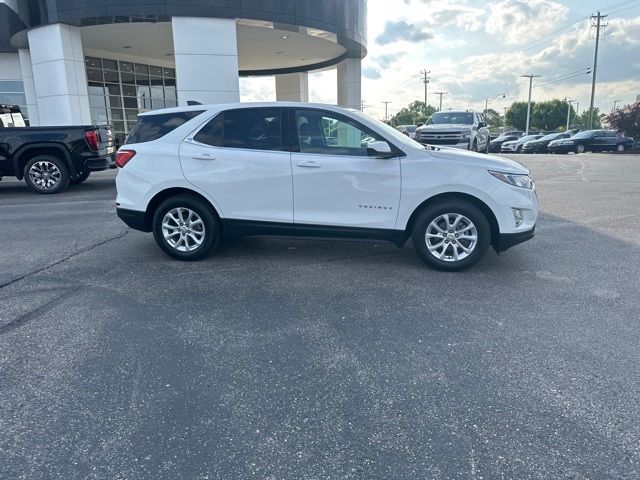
<point>519,149</point>
<point>46,174</point>
<point>185,228</point>
<point>451,236</point>
<point>620,147</point>
<point>82,176</point>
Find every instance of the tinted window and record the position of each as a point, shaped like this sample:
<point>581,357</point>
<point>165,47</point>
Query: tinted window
<point>585,134</point>
<point>248,128</point>
<point>152,127</point>
<point>332,134</point>
<point>612,134</point>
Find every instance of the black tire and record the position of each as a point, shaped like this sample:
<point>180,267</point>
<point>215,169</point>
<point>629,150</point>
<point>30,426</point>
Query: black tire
<point>580,149</point>
<point>82,176</point>
<point>620,147</point>
<point>453,206</point>
<point>49,169</point>
<point>519,149</point>
<point>211,227</point>
<point>487,149</point>
<point>474,146</point>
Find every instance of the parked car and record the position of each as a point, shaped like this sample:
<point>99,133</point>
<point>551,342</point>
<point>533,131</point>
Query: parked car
<point>49,158</point>
<point>496,144</point>
<point>516,146</point>
<point>458,129</point>
<point>592,141</point>
<point>408,130</point>
<point>193,175</point>
<point>541,145</point>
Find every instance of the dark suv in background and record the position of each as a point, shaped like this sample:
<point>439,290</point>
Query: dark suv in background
<point>496,143</point>
<point>592,141</point>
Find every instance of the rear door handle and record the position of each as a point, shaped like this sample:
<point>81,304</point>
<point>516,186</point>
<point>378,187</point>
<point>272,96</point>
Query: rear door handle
<point>203,156</point>
<point>309,164</point>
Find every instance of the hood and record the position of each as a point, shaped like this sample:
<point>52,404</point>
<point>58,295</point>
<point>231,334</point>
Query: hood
<point>510,142</point>
<point>445,126</point>
<point>490,162</point>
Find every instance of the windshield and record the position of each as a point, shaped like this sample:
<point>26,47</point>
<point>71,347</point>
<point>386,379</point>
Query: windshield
<point>585,134</point>
<point>550,137</point>
<point>528,138</point>
<point>389,131</point>
<point>451,118</point>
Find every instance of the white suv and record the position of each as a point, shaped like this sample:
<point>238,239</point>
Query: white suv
<point>193,175</point>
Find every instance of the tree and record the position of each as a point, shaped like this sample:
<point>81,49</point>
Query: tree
<point>549,115</point>
<point>412,114</point>
<point>582,121</point>
<point>626,120</point>
<point>494,119</point>
<point>517,115</point>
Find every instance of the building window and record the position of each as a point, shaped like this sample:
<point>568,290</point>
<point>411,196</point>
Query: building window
<point>12,93</point>
<point>119,91</point>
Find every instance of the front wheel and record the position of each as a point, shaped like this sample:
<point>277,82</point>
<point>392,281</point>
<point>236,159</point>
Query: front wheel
<point>580,149</point>
<point>620,147</point>
<point>46,174</point>
<point>451,236</point>
<point>185,228</point>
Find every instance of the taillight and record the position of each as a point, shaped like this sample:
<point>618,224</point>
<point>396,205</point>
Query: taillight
<point>93,139</point>
<point>123,157</point>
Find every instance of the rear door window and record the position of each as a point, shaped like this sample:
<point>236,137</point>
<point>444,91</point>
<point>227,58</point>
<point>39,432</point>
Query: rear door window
<point>247,128</point>
<point>152,127</point>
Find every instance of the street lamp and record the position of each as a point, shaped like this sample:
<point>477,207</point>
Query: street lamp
<point>489,100</point>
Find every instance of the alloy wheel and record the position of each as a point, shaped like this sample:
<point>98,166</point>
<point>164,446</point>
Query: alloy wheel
<point>183,229</point>
<point>45,175</point>
<point>451,237</point>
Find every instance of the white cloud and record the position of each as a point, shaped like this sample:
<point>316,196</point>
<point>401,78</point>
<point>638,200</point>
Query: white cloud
<point>521,21</point>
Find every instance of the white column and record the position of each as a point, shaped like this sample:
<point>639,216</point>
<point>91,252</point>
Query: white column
<point>29,87</point>
<point>350,83</point>
<point>292,87</point>
<point>59,77</point>
<point>206,54</point>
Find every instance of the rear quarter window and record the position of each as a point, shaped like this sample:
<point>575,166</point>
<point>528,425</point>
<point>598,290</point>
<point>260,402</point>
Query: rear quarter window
<point>152,127</point>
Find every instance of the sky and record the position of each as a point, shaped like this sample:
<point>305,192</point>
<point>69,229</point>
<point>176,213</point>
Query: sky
<point>479,49</point>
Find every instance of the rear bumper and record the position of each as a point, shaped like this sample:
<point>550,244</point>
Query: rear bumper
<point>99,163</point>
<point>508,240</point>
<point>134,219</point>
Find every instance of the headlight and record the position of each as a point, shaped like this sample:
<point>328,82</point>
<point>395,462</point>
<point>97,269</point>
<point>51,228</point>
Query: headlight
<point>466,134</point>
<point>522,181</point>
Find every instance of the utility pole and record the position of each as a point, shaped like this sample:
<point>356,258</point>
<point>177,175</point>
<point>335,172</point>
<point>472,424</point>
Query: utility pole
<point>426,79</point>
<point>504,129</point>
<point>598,18</point>
<point>530,77</point>
<point>615,104</point>
<point>569,102</point>
<point>386,111</point>
<point>441,94</point>
<point>362,105</point>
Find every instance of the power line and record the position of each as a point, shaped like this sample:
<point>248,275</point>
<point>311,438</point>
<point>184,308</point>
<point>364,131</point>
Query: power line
<point>566,76</point>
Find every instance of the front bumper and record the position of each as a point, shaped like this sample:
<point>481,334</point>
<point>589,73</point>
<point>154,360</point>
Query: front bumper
<point>561,148</point>
<point>507,240</point>
<point>508,149</point>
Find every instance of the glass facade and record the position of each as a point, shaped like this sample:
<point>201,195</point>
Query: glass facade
<point>119,90</point>
<point>12,93</point>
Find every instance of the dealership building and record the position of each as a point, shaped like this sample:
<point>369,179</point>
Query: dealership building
<point>71,62</point>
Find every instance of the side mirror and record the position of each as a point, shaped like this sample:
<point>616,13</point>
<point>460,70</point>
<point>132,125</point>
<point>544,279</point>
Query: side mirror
<point>482,124</point>
<point>379,149</point>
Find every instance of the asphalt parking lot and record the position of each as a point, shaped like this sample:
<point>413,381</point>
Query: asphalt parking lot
<point>282,359</point>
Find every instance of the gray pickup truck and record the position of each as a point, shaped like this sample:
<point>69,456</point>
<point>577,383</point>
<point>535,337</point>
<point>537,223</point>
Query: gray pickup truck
<point>457,129</point>
<point>50,158</point>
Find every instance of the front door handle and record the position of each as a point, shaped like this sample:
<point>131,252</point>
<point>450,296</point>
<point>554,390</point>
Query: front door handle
<point>309,164</point>
<point>203,156</point>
